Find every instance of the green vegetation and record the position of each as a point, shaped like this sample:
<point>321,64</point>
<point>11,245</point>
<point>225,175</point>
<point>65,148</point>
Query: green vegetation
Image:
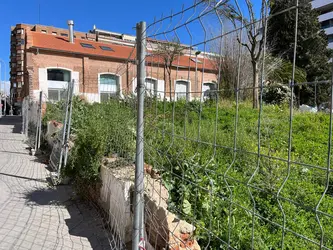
<point>97,130</point>
<point>312,52</point>
<point>212,185</point>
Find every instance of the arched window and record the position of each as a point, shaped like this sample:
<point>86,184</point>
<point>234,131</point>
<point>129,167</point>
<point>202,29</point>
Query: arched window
<point>108,86</point>
<point>182,90</point>
<point>57,83</point>
<point>151,86</point>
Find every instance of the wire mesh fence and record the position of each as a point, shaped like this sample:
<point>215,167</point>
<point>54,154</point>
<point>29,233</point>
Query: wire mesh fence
<point>236,147</point>
<point>30,120</point>
<point>241,162</point>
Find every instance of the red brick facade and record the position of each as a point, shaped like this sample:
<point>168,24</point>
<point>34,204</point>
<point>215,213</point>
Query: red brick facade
<point>51,49</point>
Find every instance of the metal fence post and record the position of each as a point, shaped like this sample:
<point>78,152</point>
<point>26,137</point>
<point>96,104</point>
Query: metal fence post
<point>39,122</point>
<point>138,223</point>
<point>27,117</point>
<point>69,122</point>
<point>23,115</point>
<point>64,129</point>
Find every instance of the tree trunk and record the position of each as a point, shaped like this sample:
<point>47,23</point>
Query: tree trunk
<point>170,86</point>
<point>255,85</point>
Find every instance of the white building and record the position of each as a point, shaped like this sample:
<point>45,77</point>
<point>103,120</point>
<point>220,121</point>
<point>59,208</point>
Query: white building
<point>325,8</point>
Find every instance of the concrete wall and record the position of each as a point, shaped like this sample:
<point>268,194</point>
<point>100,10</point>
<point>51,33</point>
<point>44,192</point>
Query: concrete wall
<point>162,227</point>
<point>115,198</point>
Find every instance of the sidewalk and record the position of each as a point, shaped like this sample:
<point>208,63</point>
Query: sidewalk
<point>35,215</point>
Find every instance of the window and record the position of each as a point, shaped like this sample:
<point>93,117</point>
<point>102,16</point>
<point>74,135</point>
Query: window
<point>108,86</point>
<point>87,45</point>
<point>58,75</point>
<point>106,48</point>
<point>64,34</point>
<point>208,90</point>
<point>327,24</point>
<point>44,31</point>
<point>330,38</point>
<point>151,86</point>
<point>19,73</point>
<point>54,33</point>
<point>182,90</point>
<point>55,95</point>
<point>20,42</point>
<point>20,31</point>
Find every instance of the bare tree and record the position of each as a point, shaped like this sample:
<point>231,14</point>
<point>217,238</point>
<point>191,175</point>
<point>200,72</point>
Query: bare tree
<point>254,30</point>
<point>228,66</point>
<point>169,52</point>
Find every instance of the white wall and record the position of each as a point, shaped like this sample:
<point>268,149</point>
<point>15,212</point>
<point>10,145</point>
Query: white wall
<point>44,84</point>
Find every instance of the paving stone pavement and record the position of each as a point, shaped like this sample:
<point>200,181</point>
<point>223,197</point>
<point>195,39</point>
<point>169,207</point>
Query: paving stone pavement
<point>33,214</point>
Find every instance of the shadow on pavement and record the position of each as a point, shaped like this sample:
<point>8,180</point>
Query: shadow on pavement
<point>84,220</point>
<point>15,121</point>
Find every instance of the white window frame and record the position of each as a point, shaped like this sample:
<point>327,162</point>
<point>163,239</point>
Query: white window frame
<point>59,95</point>
<point>160,93</point>
<point>58,85</point>
<point>119,84</point>
<point>202,93</point>
<point>155,90</point>
<point>188,89</point>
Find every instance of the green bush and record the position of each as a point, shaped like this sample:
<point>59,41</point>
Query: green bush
<point>98,130</point>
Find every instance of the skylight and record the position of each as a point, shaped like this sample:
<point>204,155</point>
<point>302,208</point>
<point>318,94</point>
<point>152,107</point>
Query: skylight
<point>196,60</point>
<point>87,45</point>
<point>106,48</point>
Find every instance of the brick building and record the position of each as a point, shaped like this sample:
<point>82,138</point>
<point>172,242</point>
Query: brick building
<point>101,63</point>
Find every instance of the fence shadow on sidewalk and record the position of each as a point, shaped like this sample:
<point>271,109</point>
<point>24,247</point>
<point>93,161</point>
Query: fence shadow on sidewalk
<point>84,220</point>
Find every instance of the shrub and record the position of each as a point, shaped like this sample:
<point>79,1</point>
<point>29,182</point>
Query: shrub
<point>277,94</point>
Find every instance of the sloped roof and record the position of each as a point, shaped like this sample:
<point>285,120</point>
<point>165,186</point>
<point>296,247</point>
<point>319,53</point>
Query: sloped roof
<point>123,52</point>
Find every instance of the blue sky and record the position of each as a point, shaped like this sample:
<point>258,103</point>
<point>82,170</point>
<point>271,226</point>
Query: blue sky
<point>117,16</point>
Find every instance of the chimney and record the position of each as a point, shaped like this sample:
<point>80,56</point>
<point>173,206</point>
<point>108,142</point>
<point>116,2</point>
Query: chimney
<point>71,30</point>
